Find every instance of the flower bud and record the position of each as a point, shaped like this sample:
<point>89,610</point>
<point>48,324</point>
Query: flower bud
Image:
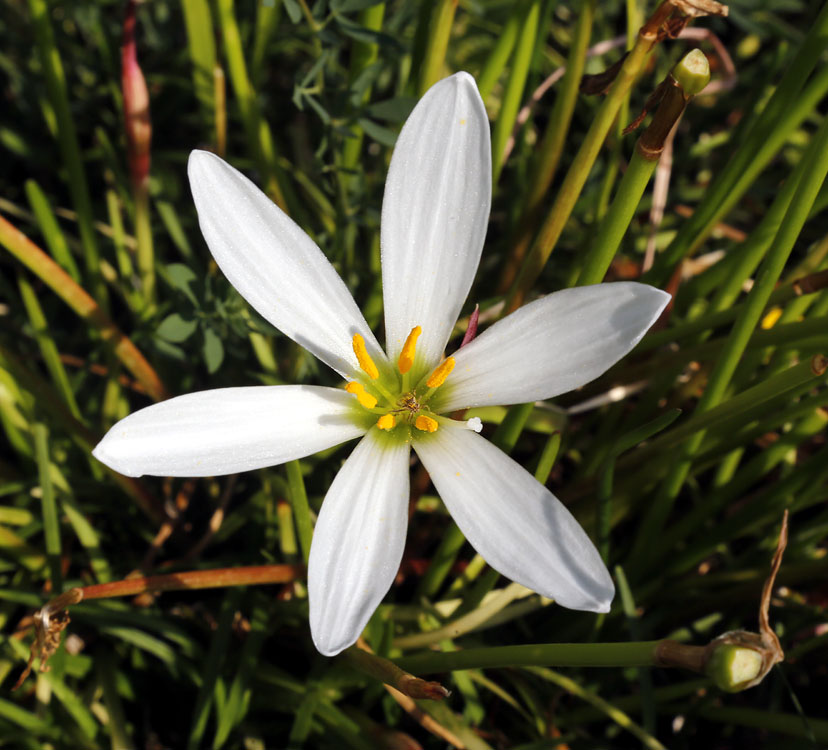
<point>739,660</point>
<point>136,103</point>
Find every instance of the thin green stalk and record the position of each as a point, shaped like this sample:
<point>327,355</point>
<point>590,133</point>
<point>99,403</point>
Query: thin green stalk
<point>439,31</point>
<point>301,509</point>
<point>605,480</point>
<point>616,221</point>
<point>88,537</point>
<point>631,703</point>
<point>48,504</point>
<point>634,654</point>
<point>259,137</point>
<point>554,137</point>
<point>470,615</point>
<point>785,111</point>
<point>499,56</point>
<point>212,666</point>
<point>644,680</point>
<point>105,661</point>
<point>363,54</point>
<point>474,595</point>
<point>509,430</point>
<point>202,49</point>
<point>234,709</point>
<point>287,531</point>
<point>514,87</point>
<point>547,458</point>
<point>794,725</point>
<point>607,709</point>
<point>441,562</point>
<point>767,276</point>
<point>268,16</point>
<point>143,238</point>
<point>585,158</point>
<point>46,343</point>
<point>52,69</point>
<point>551,146</point>
<point>52,233</point>
<point>262,346</point>
<point>122,256</point>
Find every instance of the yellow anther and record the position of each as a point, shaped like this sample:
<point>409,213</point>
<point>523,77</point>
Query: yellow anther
<point>364,359</point>
<point>364,398</point>
<point>426,424</point>
<point>407,354</point>
<point>386,422</point>
<point>441,372</point>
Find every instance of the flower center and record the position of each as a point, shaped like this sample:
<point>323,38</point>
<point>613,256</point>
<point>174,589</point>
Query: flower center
<point>394,400</point>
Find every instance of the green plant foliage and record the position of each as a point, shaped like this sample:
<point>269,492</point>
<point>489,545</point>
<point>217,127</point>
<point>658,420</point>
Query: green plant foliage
<point>679,461</point>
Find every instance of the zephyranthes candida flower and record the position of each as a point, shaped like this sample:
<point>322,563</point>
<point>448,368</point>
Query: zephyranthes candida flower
<point>434,218</point>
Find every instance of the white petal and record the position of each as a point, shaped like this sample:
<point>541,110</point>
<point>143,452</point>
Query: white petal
<point>358,541</point>
<point>229,430</point>
<point>275,266</point>
<point>434,215</point>
<point>551,346</point>
<point>518,526</point>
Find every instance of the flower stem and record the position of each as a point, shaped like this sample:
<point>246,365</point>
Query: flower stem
<point>515,85</point>
<point>551,147</point>
<point>616,221</point>
<point>585,158</point>
<point>48,503</point>
<point>143,237</point>
<point>633,654</point>
<point>259,136</point>
<point>497,59</point>
<point>439,30</point>
<point>301,509</point>
<point>202,50</point>
<point>688,78</point>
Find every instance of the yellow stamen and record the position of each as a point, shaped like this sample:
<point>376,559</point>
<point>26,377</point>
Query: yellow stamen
<point>426,424</point>
<point>364,398</point>
<point>386,422</point>
<point>441,372</point>
<point>364,359</point>
<point>407,354</point>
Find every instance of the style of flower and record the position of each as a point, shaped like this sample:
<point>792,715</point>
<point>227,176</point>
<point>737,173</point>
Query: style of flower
<point>434,218</point>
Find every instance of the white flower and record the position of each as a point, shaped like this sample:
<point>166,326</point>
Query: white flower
<point>434,218</point>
